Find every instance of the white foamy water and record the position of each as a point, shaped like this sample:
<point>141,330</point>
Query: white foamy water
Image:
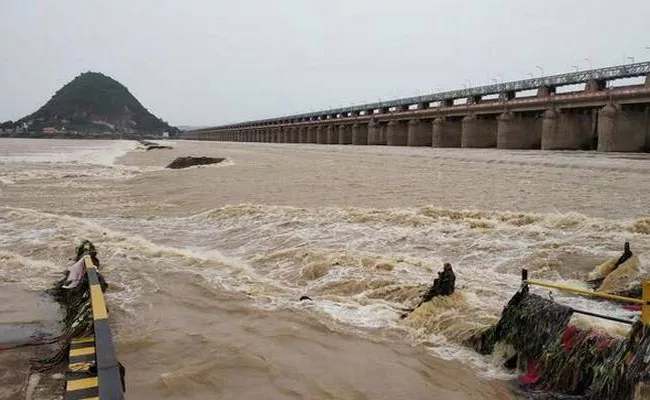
<point>100,152</point>
<point>366,264</point>
<point>57,161</point>
<point>360,230</point>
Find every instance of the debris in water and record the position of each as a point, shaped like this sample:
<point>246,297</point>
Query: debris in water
<point>75,300</point>
<point>555,357</point>
<point>186,162</point>
<point>443,285</point>
<point>154,146</point>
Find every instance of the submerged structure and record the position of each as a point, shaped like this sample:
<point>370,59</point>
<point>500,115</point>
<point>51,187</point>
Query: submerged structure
<point>86,343</point>
<point>558,360</point>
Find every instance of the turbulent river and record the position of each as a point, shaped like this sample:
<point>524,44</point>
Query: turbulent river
<point>206,265</point>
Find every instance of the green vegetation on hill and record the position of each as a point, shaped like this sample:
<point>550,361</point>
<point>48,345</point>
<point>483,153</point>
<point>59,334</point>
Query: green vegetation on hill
<point>94,103</point>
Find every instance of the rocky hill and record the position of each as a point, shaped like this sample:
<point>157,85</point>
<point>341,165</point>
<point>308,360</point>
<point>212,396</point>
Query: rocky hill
<point>92,103</point>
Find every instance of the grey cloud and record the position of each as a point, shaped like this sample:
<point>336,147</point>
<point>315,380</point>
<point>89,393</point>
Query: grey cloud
<point>210,62</point>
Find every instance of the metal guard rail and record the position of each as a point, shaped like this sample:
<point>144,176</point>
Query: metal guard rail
<point>613,72</point>
<point>94,372</point>
<point>644,301</point>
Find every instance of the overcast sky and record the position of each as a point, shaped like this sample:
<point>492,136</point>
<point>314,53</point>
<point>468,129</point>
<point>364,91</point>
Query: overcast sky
<point>195,62</point>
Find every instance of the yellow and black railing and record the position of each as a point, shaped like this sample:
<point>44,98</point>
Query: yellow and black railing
<point>644,301</point>
<point>93,371</point>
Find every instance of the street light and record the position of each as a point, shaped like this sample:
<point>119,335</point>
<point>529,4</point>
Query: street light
<point>631,59</point>
<point>576,67</point>
<point>588,60</point>
<point>541,70</point>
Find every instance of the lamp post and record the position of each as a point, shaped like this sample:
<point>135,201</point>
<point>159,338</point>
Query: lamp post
<point>541,70</point>
<point>576,67</point>
<point>589,63</point>
<point>631,59</point>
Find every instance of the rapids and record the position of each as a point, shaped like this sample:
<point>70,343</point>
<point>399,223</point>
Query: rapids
<point>207,265</point>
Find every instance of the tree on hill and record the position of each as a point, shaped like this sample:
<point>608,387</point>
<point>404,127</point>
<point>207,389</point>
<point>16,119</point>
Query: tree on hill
<point>94,102</point>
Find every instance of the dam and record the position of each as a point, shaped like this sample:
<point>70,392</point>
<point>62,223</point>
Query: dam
<point>598,116</point>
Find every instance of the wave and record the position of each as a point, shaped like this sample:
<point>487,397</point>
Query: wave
<point>361,267</point>
<point>622,277</point>
<point>92,152</point>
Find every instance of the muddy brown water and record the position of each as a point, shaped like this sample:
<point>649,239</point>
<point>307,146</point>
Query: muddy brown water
<point>207,264</point>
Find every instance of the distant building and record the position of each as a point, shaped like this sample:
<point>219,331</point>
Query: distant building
<point>165,135</point>
<point>50,130</point>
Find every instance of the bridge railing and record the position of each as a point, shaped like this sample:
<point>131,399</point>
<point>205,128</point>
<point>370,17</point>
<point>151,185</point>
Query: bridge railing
<point>644,301</point>
<point>94,371</point>
<point>571,78</point>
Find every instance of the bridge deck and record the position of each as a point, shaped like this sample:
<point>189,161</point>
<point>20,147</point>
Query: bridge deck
<point>608,73</point>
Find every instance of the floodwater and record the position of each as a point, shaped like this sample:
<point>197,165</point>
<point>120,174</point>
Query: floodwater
<point>206,265</point>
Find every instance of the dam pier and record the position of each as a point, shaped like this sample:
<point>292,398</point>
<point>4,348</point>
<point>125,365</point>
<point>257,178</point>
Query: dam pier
<point>526,114</point>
